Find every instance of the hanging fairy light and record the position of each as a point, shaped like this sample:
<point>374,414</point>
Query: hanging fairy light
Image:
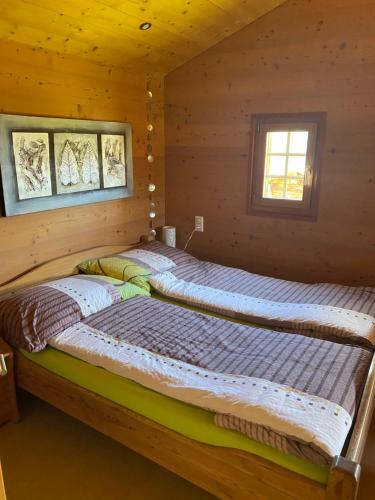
<point>150,159</point>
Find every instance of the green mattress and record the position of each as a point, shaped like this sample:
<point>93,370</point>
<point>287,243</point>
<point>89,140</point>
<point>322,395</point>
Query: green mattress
<point>189,420</point>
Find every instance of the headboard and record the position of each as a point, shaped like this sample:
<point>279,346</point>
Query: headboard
<point>60,267</point>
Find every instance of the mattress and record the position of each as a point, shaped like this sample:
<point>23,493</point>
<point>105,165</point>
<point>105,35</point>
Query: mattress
<point>190,421</point>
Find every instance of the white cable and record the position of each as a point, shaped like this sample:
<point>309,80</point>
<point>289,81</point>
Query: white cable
<point>188,240</point>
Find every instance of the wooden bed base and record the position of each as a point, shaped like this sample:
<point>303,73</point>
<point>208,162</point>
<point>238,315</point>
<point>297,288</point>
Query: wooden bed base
<point>225,472</point>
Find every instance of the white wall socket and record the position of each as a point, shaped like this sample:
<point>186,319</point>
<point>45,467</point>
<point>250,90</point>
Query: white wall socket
<point>199,223</point>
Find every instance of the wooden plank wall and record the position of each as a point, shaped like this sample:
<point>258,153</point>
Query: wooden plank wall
<point>37,82</point>
<point>307,55</point>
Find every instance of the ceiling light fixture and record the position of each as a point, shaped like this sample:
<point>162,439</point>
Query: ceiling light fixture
<point>145,26</point>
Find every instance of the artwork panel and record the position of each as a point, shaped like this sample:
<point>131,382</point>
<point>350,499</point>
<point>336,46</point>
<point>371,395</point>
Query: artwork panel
<point>76,162</point>
<point>32,164</point>
<point>34,178</point>
<point>113,160</point>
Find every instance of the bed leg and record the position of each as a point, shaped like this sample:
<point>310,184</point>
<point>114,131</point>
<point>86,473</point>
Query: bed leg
<point>343,479</point>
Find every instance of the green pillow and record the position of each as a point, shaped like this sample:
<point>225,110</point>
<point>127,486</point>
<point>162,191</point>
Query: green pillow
<point>127,290</point>
<point>119,268</point>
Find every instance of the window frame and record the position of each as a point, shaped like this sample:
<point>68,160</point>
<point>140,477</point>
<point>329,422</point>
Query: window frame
<point>263,123</point>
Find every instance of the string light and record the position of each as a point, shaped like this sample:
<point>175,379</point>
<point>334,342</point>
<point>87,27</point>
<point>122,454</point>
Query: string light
<point>150,158</point>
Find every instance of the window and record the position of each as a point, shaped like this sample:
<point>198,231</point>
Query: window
<point>285,158</point>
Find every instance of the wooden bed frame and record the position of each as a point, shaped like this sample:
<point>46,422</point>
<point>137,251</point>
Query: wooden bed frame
<point>225,472</point>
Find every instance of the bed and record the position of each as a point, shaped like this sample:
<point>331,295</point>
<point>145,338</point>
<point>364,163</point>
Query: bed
<point>322,310</point>
<point>222,470</point>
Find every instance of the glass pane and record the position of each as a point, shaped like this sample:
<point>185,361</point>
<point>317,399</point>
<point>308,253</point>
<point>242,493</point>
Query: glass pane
<point>277,165</point>
<point>296,166</point>
<point>298,142</point>
<point>277,142</point>
<point>294,189</point>
<point>273,187</point>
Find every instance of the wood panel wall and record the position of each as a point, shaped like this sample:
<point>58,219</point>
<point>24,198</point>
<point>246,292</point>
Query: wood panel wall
<point>307,55</point>
<point>37,82</point>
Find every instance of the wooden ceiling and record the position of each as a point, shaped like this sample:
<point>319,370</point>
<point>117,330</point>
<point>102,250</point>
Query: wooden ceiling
<point>107,31</point>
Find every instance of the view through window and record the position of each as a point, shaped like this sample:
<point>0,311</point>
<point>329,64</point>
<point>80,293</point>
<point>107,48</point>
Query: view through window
<point>284,166</point>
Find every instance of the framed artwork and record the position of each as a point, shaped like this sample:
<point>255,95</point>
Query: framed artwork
<point>77,162</point>
<point>32,164</point>
<point>49,163</point>
<point>113,160</point>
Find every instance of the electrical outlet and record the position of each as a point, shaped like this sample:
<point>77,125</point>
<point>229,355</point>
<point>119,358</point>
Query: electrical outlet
<point>199,223</point>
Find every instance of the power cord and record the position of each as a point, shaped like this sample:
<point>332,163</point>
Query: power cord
<point>188,240</point>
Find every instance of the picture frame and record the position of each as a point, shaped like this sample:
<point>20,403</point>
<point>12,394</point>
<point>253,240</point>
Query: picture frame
<point>113,160</point>
<point>53,143</point>
<point>31,153</point>
<point>76,162</point>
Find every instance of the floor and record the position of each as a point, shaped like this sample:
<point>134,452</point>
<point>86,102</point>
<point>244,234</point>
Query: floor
<point>49,455</point>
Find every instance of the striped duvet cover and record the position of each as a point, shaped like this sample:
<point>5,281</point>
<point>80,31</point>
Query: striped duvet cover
<point>295,393</point>
<point>322,310</point>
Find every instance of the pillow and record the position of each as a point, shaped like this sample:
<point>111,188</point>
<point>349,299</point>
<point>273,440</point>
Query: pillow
<point>119,267</point>
<point>127,290</point>
<point>30,317</point>
<point>177,256</point>
<point>139,264</point>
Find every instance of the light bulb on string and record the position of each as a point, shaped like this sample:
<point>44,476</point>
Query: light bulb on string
<point>150,157</point>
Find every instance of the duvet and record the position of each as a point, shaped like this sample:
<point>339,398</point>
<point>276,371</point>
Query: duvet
<point>292,392</point>
<point>323,310</point>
